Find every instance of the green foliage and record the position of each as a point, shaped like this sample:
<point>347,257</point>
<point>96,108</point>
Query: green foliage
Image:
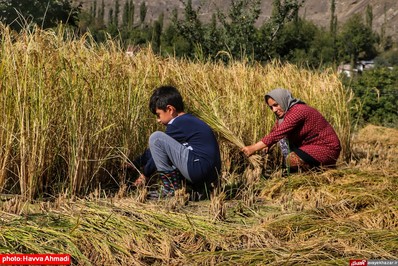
<point>387,59</point>
<point>190,28</point>
<point>284,35</point>
<point>172,42</point>
<point>110,17</point>
<point>238,29</point>
<point>369,16</point>
<point>376,93</point>
<point>157,31</point>
<point>143,12</point>
<point>19,14</point>
<point>333,17</point>
<point>333,31</point>
<point>356,40</point>
<point>296,42</point>
<point>213,37</point>
<point>270,32</point>
<point>128,17</point>
<point>322,50</point>
<point>117,12</point>
<point>101,12</point>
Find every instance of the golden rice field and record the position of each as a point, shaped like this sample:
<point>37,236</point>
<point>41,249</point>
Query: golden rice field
<point>75,111</point>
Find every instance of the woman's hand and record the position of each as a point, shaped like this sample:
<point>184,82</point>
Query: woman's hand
<point>249,150</point>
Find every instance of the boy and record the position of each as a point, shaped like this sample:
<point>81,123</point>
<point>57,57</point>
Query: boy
<point>187,149</point>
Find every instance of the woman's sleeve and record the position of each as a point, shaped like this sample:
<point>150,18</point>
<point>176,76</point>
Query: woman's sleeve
<point>292,120</point>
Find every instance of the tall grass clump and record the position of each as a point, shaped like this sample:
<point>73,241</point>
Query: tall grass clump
<point>69,108</point>
<point>74,110</point>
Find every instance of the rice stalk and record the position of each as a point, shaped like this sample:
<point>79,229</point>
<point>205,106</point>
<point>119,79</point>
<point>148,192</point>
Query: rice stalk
<point>76,101</point>
<point>217,206</point>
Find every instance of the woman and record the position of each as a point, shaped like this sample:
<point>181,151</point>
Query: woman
<point>306,139</point>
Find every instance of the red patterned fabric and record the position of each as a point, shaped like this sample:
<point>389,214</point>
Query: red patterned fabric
<point>306,129</point>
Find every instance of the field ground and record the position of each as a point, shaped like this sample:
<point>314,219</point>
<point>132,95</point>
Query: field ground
<point>304,219</point>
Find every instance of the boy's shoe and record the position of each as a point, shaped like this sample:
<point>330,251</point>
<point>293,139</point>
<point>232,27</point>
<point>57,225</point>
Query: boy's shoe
<point>171,180</point>
<point>162,193</point>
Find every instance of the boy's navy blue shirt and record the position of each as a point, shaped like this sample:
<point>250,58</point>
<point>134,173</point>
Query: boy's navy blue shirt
<point>204,161</point>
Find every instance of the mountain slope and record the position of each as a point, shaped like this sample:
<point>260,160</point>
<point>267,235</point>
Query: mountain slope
<point>318,11</point>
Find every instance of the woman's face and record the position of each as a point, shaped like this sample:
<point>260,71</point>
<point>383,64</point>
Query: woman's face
<point>276,108</point>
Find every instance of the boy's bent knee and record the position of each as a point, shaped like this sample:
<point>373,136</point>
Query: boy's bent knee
<point>155,136</point>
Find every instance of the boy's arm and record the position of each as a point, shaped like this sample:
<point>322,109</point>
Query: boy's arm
<point>146,162</point>
<point>175,133</point>
<point>149,168</point>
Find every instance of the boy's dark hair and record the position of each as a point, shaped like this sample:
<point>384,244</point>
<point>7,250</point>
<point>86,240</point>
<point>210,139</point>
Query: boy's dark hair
<point>166,95</point>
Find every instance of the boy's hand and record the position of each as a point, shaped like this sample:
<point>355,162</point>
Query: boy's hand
<point>140,181</point>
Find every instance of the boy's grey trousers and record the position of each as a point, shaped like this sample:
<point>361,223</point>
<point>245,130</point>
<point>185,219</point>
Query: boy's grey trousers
<point>168,154</point>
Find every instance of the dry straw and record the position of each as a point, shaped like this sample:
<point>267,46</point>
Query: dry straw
<point>308,219</point>
<point>344,225</point>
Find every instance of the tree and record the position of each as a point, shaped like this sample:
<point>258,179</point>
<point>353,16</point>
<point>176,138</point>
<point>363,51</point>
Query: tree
<point>93,9</point>
<point>377,97</point>
<point>143,11</point>
<point>296,43</point>
<point>239,31</point>
<point>213,37</point>
<point>191,27</point>
<point>271,29</point>
<point>385,41</point>
<point>128,15</point>
<point>333,28</point>
<point>101,12</point>
<point>356,40</point>
<point>19,14</point>
<point>110,16</point>
<point>282,13</point>
<point>117,12</point>
<point>172,42</point>
<point>156,34</point>
<point>161,20</point>
<point>387,59</point>
<point>369,16</point>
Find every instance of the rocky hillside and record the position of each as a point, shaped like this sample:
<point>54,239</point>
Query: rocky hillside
<point>317,11</point>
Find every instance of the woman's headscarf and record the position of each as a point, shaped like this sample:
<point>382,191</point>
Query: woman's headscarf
<point>284,98</point>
